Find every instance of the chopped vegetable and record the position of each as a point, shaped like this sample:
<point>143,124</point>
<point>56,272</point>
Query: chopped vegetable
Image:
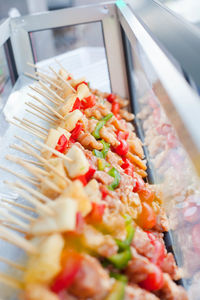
<point>82,82</point>
<point>102,164</point>
<point>100,124</point>
<point>146,194</point>
<point>62,144</point>
<point>86,177</point>
<point>77,104</point>
<point>154,280</point>
<point>119,277</point>
<point>139,183</point>
<point>122,148</point>
<point>130,234</point>
<point>128,167</point>
<point>115,174</point>
<point>76,131</point>
<point>71,119</point>
<point>120,260</point>
<point>71,266</point>
<point>106,147</point>
<point>88,102</point>
<point>96,214</point>
<point>111,98</point>
<point>115,108</point>
<point>117,292</point>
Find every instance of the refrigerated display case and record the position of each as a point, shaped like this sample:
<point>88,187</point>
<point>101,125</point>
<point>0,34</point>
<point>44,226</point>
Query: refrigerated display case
<point>148,55</point>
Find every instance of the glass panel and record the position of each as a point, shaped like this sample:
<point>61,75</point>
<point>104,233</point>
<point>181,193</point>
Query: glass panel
<point>171,168</point>
<point>79,48</point>
<point>5,81</point>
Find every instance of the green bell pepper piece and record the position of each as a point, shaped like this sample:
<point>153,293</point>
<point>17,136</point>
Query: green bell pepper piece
<point>117,292</point>
<point>120,277</point>
<point>115,174</point>
<point>100,124</point>
<point>120,260</point>
<point>106,147</point>
<point>97,153</point>
<point>130,234</point>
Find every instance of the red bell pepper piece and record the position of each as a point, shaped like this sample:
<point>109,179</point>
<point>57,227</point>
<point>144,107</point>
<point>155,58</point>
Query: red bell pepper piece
<point>71,266</point>
<point>96,214</point>
<point>76,131</point>
<point>122,148</point>
<point>139,183</point>
<point>69,77</point>
<point>154,280</point>
<point>77,104</point>
<point>104,192</point>
<point>115,108</point>
<point>76,87</point>
<point>159,253</point>
<point>87,176</point>
<point>62,144</point>
<point>111,98</point>
<point>88,102</point>
<point>128,167</point>
<point>147,218</point>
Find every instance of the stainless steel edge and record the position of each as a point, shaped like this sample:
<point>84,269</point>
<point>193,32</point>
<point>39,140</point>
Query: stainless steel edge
<point>183,104</point>
<point>62,17</point>
<point>115,54</point>
<point>22,49</point>
<point>4,31</point>
<point>179,37</point>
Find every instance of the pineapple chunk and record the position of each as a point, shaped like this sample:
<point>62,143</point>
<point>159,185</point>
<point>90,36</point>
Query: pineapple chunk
<point>69,123</point>
<point>92,191</point>
<point>76,191</point>
<point>52,140</point>
<point>59,165</point>
<point>39,292</point>
<point>79,164</point>
<point>66,107</point>
<point>63,220</point>
<point>44,266</point>
<point>83,91</point>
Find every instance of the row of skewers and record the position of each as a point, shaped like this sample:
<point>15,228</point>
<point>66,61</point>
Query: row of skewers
<point>94,227</point>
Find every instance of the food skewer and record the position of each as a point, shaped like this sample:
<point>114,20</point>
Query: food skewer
<point>14,203</point>
<point>28,130</point>
<point>36,125</point>
<point>42,93</point>
<point>40,117</point>
<point>10,281</point>
<point>41,111</point>
<point>22,176</point>
<point>17,212</point>
<point>12,264</point>
<point>53,93</point>
<point>62,79</point>
<point>29,125</point>
<point>10,218</point>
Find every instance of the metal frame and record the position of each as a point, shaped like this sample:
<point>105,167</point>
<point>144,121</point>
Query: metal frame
<point>104,13</point>
<point>183,105</point>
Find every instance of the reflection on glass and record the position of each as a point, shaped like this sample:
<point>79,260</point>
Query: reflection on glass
<point>171,168</point>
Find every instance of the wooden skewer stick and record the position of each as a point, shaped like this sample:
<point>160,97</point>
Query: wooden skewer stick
<point>12,227</point>
<point>47,106</point>
<point>36,125</point>
<point>37,163</point>
<point>31,76</point>
<point>27,129</point>
<point>41,92</point>
<point>40,117</point>
<point>12,264</point>
<point>36,67</point>
<point>32,191</point>
<point>59,154</point>
<point>41,111</point>
<point>17,240</point>
<point>53,93</point>
<point>30,126</point>
<point>19,148</point>
<point>26,142</point>
<point>61,66</point>
<point>46,78</point>
<point>13,219</point>
<point>10,281</point>
<point>26,165</point>
<point>17,212</point>
<point>48,182</point>
<point>24,177</point>
<point>45,161</point>
<point>41,208</point>
<point>62,79</point>
<point>14,203</point>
